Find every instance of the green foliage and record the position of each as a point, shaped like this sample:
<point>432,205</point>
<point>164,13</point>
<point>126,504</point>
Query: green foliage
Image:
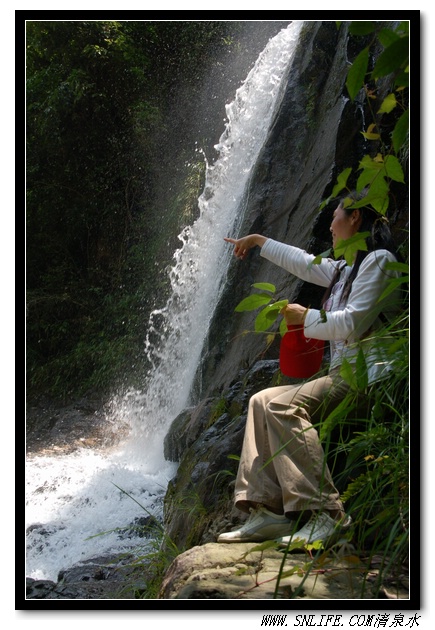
<point>357,73</point>
<point>269,313</point>
<point>350,246</point>
<point>383,166</point>
<point>393,60</point>
<point>252,302</point>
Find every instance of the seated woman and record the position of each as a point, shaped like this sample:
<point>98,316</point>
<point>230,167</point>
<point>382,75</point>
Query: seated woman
<point>293,497</point>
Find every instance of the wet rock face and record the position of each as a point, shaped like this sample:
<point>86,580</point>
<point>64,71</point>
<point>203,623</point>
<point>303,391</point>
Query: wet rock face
<point>291,177</point>
<point>314,136</point>
<point>99,578</point>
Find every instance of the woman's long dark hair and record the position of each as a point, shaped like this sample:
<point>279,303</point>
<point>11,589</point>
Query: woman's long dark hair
<point>380,238</point>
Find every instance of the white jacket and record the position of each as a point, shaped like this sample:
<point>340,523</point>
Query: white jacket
<point>348,325</point>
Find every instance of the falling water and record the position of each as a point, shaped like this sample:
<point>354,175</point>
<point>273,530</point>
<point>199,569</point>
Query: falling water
<point>72,498</point>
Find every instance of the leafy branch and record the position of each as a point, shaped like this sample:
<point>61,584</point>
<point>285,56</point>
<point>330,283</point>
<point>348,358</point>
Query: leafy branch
<point>269,310</point>
<point>377,171</point>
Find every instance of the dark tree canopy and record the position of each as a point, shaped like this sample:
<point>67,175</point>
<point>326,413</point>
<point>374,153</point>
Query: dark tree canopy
<point>112,176</point>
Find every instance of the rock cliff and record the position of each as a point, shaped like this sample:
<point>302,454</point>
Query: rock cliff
<point>315,135</point>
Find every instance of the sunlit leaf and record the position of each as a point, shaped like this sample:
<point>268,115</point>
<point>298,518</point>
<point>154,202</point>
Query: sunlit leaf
<point>265,286</point>
<point>253,301</point>
<point>388,104</point>
<point>366,178</point>
<point>377,196</point>
<point>341,182</point>
<point>369,163</point>
<point>268,315</point>
<point>348,201</point>
<point>350,246</point>
<point>394,169</point>
<point>270,339</point>
<point>370,136</point>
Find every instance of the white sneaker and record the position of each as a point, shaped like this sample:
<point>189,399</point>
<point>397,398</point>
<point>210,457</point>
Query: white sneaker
<point>320,527</point>
<point>261,525</point>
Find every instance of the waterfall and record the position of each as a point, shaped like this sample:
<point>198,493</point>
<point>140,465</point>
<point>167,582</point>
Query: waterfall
<point>72,498</point>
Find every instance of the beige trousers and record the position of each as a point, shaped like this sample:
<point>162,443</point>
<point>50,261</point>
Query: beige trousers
<point>280,424</point>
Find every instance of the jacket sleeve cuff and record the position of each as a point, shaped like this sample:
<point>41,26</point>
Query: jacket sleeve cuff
<point>313,325</point>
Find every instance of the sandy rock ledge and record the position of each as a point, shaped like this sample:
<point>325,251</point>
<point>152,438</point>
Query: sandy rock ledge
<point>239,571</point>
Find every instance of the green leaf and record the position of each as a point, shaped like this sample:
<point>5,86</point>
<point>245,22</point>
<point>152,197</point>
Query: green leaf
<point>386,36</point>
<point>394,169</point>
<point>347,374</point>
<point>347,202</point>
<point>235,457</point>
<point>370,135</point>
<point>388,104</point>
<point>318,259</point>
<point>367,177</point>
<point>402,79</point>
<point>337,414</point>
<point>268,315</point>
<point>267,544</point>
<point>397,266</point>
<point>400,131</point>
<point>362,379</point>
<point>265,286</point>
<point>361,28</point>
<point>368,163</point>
<point>357,73</point>
<point>392,58</point>
<point>393,284</point>
<point>252,302</point>
<point>377,195</point>
<point>341,182</point>
<point>317,544</point>
<point>283,327</point>
<point>350,246</point>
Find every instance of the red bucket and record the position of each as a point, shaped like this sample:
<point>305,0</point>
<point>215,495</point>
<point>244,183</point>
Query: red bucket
<point>299,356</point>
